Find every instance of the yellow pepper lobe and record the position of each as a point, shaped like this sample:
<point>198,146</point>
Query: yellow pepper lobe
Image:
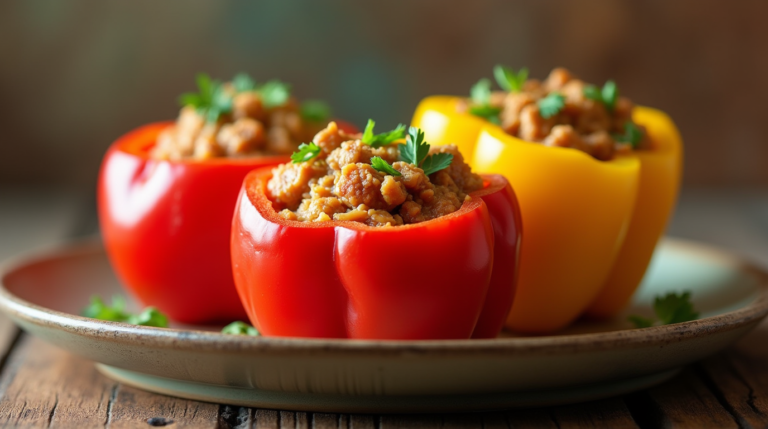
<point>660,173</point>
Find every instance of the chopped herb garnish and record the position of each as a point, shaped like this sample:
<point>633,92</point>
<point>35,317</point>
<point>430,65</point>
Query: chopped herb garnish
<point>98,309</point>
<point>416,152</point>
<point>242,83</point>
<point>240,328</point>
<point>551,105</point>
<point>436,162</point>
<point>211,101</point>
<point>487,112</point>
<point>480,93</point>
<point>669,309</point>
<point>383,139</point>
<point>632,134</point>
<point>305,152</point>
<point>315,111</point>
<point>379,164</point>
<point>508,80</point>
<point>274,93</point>
<point>607,95</point>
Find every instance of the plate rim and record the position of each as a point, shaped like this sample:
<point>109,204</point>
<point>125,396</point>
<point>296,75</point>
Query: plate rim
<point>185,339</point>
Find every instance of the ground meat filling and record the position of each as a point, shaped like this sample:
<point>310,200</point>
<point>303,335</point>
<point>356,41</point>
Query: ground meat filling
<point>583,123</point>
<point>341,184</point>
<point>250,129</point>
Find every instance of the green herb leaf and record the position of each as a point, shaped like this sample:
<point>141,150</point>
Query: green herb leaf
<point>416,149</point>
<point>640,322</point>
<point>551,105</point>
<point>242,83</point>
<point>670,308</point>
<point>593,93</point>
<point>305,152</point>
<point>632,134</point>
<point>480,93</point>
<point>383,166</point>
<point>315,111</point>
<point>383,139</point>
<point>610,94</point>
<point>211,101</point>
<point>240,328</point>
<point>674,308</point>
<point>149,317</point>
<point>116,313</point>
<point>487,112</point>
<point>436,162</point>
<point>98,309</point>
<point>274,93</point>
<point>508,80</point>
<point>415,152</point>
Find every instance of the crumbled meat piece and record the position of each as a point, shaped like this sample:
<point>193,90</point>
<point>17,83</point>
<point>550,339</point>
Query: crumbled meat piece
<point>557,79</point>
<point>564,136</point>
<point>513,105</point>
<point>361,184</point>
<point>459,171</point>
<point>355,151</point>
<point>243,136</point>
<point>290,181</point>
<point>533,127</point>
<point>370,217</point>
<point>332,137</point>
<point>601,145</point>
<point>248,105</point>
<point>205,144</point>
<point>319,209</point>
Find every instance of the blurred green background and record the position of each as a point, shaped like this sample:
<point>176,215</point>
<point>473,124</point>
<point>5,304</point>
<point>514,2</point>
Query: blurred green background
<point>76,74</point>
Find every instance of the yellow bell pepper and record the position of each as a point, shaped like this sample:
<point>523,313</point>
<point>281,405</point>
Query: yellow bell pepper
<point>660,173</point>
<point>576,212</point>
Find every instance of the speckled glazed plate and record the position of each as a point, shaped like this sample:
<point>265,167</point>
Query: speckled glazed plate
<point>44,293</point>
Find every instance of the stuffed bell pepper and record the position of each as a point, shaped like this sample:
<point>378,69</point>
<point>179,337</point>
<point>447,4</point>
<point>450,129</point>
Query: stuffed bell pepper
<point>364,236</point>
<point>596,177</point>
<point>167,192</point>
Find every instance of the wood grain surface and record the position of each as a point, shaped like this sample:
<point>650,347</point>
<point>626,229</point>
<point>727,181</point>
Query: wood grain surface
<point>42,386</point>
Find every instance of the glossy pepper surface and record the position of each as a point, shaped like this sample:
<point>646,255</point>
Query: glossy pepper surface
<point>588,223</point>
<point>166,224</point>
<point>341,279</point>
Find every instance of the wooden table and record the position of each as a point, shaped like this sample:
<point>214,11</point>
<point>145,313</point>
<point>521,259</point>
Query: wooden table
<point>43,386</point>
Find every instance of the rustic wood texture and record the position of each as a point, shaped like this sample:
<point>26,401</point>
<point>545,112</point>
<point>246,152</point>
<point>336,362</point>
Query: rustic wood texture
<point>43,386</point>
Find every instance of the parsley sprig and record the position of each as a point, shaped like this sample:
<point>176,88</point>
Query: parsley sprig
<point>383,139</point>
<point>416,152</point>
<point>211,101</point>
<point>240,328</point>
<point>480,94</point>
<point>315,111</point>
<point>551,105</point>
<point>508,80</point>
<point>305,152</point>
<point>632,134</point>
<point>670,308</point>
<point>98,309</point>
<point>274,93</point>
<point>607,95</point>
<point>379,164</point>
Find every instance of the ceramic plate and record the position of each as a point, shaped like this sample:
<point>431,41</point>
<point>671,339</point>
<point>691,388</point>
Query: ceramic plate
<point>44,293</point>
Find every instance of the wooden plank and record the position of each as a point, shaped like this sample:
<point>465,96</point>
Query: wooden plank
<point>44,386</point>
<point>683,402</point>
<point>741,384</point>
<point>415,421</point>
<point>608,413</point>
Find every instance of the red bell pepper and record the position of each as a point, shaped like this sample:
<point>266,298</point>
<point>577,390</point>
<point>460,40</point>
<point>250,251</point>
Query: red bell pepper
<point>430,280</point>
